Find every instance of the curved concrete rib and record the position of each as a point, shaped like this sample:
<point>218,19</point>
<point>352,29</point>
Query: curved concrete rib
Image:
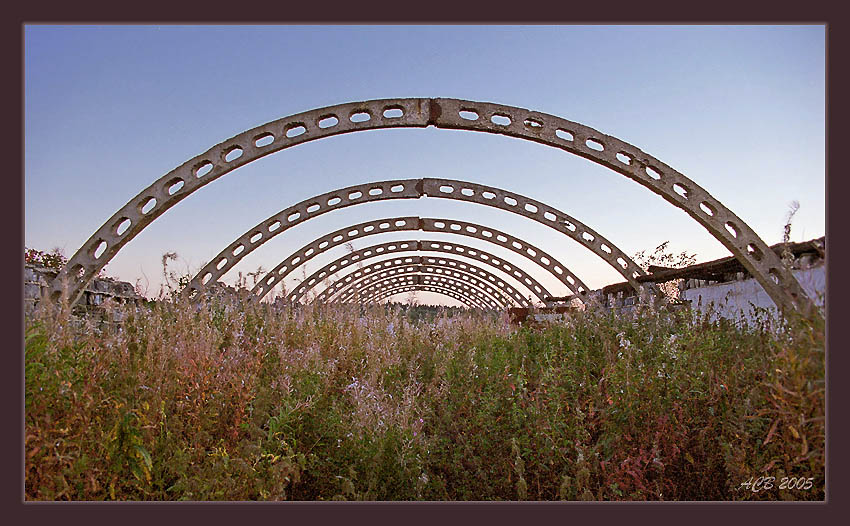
<point>396,224</point>
<point>496,288</point>
<point>572,137</point>
<point>424,288</point>
<point>412,189</point>
<point>475,295</point>
<point>357,257</point>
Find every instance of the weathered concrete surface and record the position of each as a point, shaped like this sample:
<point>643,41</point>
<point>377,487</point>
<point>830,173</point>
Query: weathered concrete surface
<point>736,299</point>
<point>496,288</point>
<point>475,295</point>
<point>726,283</point>
<point>423,288</point>
<point>550,130</point>
<point>427,276</point>
<point>357,257</point>
<point>37,283</point>
<point>307,209</point>
<point>463,228</point>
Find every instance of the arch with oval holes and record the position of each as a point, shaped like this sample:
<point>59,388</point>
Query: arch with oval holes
<point>621,157</point>
<point>496,288</point>
<point>312,207</point>
<point>396,224</point>
<point>476,296</point>
<point>424,288</point>
<point>465,300</point>
<point>384,293</point>
<point>445,280</point>
<point>435,267</point>
<point>369,296</point>
<point>415,245</point>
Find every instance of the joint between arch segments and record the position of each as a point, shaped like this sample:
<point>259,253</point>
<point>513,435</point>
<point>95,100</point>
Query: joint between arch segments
<point>490,235</point>
<point>387,293</point>
<point>415,188</point>
<point>503,293</point>
<point>473,295</point>
<point>457,285</point>
<point>443,113</point>
<point>397,249</point>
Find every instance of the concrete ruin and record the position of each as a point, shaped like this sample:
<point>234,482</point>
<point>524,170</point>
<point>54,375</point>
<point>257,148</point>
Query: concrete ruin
<point>357,257</point>
<point>724,287</point>
<point>532,253</point>
<point>778,282</point>
<point>721,286</point>
<point>37,283</point>
<point>551,217</point>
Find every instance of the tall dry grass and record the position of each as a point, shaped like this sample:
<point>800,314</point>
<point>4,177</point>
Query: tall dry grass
<point>230,402</point>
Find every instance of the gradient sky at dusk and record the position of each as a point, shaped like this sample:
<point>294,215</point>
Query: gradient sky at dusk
<point>110,109</point>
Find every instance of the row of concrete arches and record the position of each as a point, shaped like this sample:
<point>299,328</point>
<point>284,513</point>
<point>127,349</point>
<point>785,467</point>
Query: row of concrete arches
<point>546,129</point>
<point>310,208</point>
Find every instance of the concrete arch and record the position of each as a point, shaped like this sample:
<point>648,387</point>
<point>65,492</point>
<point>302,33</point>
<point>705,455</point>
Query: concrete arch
<point>424,288</point>
<point>478,297</point>
<point>387,292</point>
<point>572,137</point>
<point>495,287</point>
<point>328,242</point>
<point>512,243</point>
<point>307,209</point>
<point>434,272</point>
<point>408,245</point>
<point>431,279</point>
<point>397,224</point>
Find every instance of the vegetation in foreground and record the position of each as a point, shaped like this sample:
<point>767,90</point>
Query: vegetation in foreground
<point>242,403</point>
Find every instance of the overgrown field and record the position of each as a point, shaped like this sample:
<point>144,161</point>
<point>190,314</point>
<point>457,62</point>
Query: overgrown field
<point>227,403</point>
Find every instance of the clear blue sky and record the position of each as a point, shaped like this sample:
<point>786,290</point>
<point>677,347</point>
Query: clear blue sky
<point>110,109</point>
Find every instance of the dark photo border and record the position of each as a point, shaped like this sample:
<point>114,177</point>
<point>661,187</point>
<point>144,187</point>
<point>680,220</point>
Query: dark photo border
<point>20,14</point>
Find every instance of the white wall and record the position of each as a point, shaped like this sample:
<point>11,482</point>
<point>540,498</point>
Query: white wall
<point>733,298</point>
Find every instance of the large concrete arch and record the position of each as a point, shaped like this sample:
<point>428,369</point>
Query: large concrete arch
<point>357,257</point>
<point>386,292</point>
<point>474,294</point>
<point>397,224</point>
<point>328,242</point>
<point>424,288</point>
<point>474,291</point>
<point>512,243</point>
<point>310,208</point>
<point>572,137</point>
<point>478,298</point>
<point>496,288</point>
